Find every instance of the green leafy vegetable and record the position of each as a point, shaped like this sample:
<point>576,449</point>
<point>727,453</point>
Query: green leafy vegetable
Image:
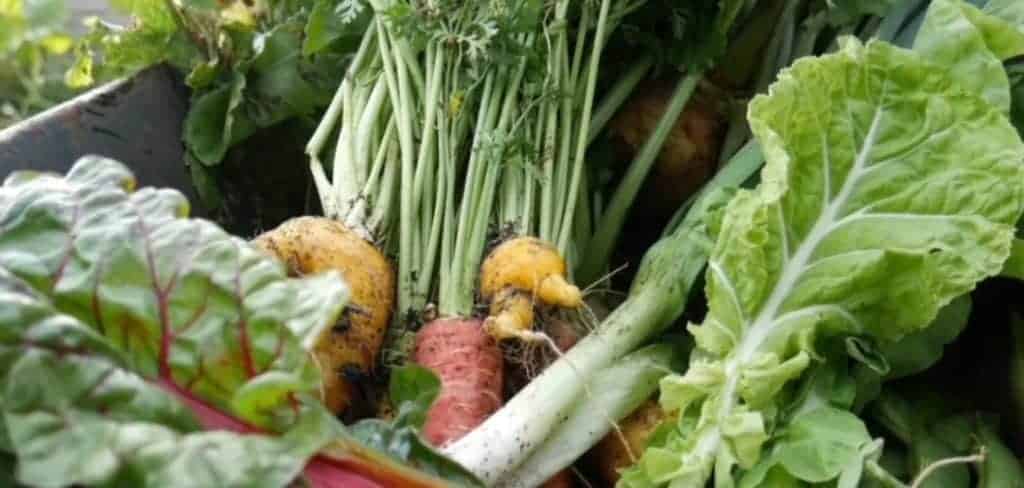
<point>164,289</point>
<point>818,446</point>
<point>954,32</point>
<point>97,281</point>
<point>250,65</point>
<point>126,329</point>
<point>889,190</point>
<point>75,416</point>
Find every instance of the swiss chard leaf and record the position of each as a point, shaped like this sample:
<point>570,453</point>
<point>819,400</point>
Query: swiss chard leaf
<point>74,415</point>
<point>186,304</point>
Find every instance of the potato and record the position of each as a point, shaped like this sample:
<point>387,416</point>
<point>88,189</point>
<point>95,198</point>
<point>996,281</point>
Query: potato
<point>348,351</point>
<point>610,455</point>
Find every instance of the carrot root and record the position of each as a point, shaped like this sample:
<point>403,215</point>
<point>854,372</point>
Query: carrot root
<point>470,365</point>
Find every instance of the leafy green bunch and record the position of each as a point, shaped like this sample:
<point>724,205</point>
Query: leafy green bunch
<point>891,187</point>
<point>251,64</point>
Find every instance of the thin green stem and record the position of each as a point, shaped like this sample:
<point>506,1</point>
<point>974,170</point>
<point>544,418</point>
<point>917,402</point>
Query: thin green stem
<point>548,156</point>
<point>382,191</point>
<point>581,140</point>
<point>581,41</point>
<point>566,121</point>
<point>425,159</point>
<point>367,124</point>
<point>395,79</point>
<point>877,473</point>
<point>457,299</point>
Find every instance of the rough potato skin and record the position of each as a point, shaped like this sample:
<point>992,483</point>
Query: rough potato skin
<point>610,455</point>
<point>690,154</point>
<point>471,368</point>
<point>348,351</point>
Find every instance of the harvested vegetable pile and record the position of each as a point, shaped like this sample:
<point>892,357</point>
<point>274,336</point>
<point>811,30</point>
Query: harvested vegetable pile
<point>731,243</point>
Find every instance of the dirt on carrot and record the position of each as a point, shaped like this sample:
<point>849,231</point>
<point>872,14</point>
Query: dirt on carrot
<point>469,364</point>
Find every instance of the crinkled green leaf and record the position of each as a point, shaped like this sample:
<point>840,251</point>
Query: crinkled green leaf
<point>744,433</point>
<point>889,190</point>
<point>680,391</point>
<point>765,375</point>
<point>187,304</point>
<point>75,416</point>
<point>972,45</point>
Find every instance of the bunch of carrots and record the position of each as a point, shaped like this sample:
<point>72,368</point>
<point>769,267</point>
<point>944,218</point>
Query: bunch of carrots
<point>460,206</point>
<point>470,169</point>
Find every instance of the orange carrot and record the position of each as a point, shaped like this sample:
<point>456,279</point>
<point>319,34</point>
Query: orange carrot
<point>469,363</point>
